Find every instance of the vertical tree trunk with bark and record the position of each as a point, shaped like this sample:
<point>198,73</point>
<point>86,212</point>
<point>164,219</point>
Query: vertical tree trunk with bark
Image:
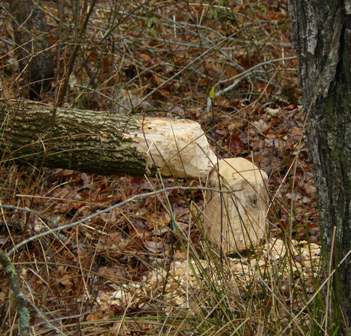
<point>322,34</point>
<point>36,62</point>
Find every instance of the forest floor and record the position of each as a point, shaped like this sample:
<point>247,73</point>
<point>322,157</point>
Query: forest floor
<point>230,65</point>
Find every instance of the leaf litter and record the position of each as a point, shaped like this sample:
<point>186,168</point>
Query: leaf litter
<point>131,260</point>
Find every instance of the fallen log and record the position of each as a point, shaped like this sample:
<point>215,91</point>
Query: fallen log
<point>103,142</point>
<point>113,143</point>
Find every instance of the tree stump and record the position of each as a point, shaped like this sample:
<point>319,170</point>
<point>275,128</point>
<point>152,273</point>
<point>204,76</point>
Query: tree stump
<point>235,216</point>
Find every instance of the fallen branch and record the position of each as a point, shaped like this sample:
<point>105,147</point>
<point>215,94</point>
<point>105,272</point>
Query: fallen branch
<point>20,301</point>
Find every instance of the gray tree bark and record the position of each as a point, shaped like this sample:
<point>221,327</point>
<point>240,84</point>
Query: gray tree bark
<point>36,62</point>
<point>102,142</point>
<point>322,35</point>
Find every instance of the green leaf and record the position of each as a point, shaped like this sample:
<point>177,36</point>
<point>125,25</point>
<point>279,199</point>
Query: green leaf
<point>212,93</point>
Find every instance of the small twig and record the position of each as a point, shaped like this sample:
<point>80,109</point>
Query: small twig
<point>108,209</point>
<point>238,78</point>
<point>63,88</point>
<point>21,302</point>
<point>328,308</point>
<point>187,66</point>
<point>45,319</point>
<point>247,72</point>
<point>324,283</point>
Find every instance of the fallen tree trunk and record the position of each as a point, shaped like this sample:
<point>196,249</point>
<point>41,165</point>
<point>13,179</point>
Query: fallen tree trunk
<point>103,142</point>
<point>110,143</point>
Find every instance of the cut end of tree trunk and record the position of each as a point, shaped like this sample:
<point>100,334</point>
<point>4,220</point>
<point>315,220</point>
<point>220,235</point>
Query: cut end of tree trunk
<point>176,147</point>
<point>235,217</point>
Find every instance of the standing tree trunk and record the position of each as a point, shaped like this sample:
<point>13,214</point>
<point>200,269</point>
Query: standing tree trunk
<point>36,62</point>
<point>322,34</point>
